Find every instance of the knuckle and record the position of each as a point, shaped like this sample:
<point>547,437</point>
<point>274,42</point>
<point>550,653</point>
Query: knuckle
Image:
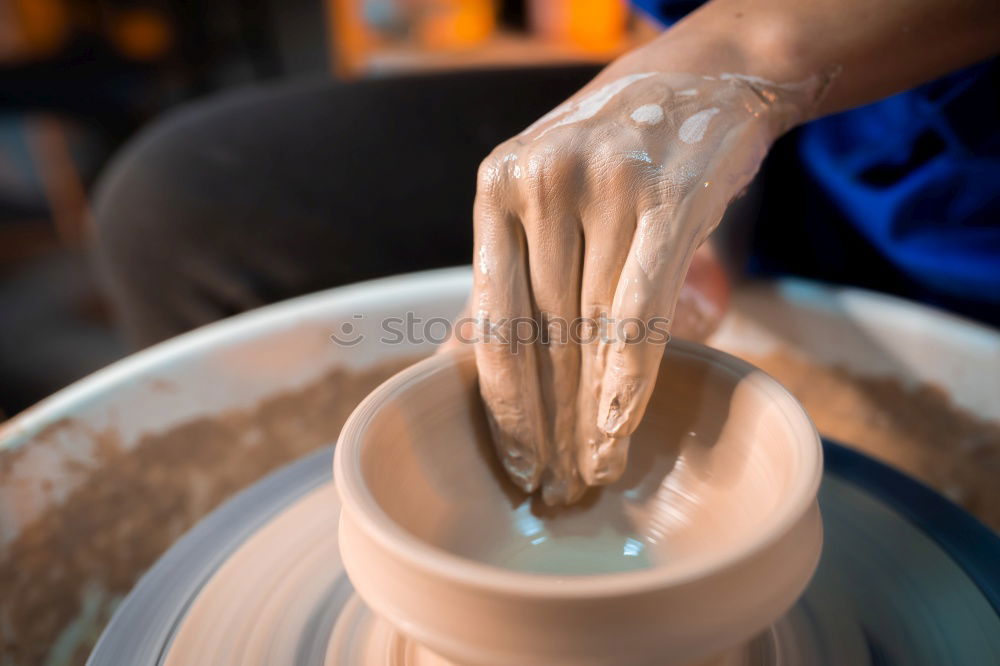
<point>612,162</point>
<point>545,161</point>
<point>607,151</point>
<point>491,175</point>
<point>546,173</point>
<point>595,310</point>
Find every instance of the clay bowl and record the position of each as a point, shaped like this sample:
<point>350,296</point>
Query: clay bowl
<point>710,536</point>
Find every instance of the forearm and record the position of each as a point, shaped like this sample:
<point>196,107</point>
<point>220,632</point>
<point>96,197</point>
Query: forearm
<point>857,51</point>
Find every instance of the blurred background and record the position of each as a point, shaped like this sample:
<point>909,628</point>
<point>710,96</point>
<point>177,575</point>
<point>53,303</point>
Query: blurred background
<point>78,77</point>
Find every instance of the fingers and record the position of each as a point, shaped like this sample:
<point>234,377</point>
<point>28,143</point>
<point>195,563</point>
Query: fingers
<point>546,187</point>
<point>507,371</point>
<point>674,218</point>
<point>703,298</point>
<point>666,237</point>
<point>608,229</point>
<point>554,259</point>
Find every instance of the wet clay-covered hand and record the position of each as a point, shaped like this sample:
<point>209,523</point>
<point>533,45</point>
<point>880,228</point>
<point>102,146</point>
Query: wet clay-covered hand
<point>701,305</point>
<point>586,223</point>
<point>598,207</point>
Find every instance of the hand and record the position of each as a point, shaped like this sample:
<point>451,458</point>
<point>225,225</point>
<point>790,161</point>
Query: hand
<point>701,305</point>
<point>595,212</point>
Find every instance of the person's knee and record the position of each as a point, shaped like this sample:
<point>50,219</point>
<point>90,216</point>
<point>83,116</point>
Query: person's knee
<point>151,214</point>
<point>139,201</point>
<point>180,181</point>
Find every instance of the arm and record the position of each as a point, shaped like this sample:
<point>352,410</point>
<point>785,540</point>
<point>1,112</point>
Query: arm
<point>870,50</point>
<point>595,211</point>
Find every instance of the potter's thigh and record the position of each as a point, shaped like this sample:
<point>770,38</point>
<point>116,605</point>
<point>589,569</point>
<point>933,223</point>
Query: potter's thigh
<point>259,195</point>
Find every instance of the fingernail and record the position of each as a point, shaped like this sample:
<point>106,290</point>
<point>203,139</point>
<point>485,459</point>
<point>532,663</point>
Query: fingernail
<point>611,459</point>
<point>605,461</point>
<point>563,490</point>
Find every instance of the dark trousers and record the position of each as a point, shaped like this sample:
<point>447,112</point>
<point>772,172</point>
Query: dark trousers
<point>252,197</point>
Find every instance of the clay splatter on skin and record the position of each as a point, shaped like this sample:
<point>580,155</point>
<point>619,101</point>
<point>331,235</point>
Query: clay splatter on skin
<point>694,128</point>
<point>485,263</point>
<point>589,105</point>
<point>551,115</point>
<point>648,114</point>
<point>729,76</point>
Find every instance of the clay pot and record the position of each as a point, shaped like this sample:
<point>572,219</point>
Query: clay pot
<point>710,536</point>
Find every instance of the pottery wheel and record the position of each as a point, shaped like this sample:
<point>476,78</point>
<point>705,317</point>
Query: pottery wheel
<point>906,578</point>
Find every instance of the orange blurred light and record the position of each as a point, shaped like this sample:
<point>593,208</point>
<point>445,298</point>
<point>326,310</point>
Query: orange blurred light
<point>43,25</point>
<point>597,25</point>
<point>350,38</point>
<point>456,24</point>
<point>142,34</point>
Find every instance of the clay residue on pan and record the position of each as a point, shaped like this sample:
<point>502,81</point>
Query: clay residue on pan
<point>917,429</point>
<point>63,575</point>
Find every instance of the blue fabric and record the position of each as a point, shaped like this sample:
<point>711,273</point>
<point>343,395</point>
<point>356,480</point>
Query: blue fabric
<point>666,12</point>
<point>917,175</point>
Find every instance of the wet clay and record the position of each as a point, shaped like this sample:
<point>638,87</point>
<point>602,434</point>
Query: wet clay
<point>915,428</point>
<point>714,522</point>
<point>710,463</point>
<point>293,561</point>
<point>64,573</point>
<point>594,211</point>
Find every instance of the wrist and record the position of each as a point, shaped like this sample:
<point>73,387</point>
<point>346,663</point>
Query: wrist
<point>716,41</point>
<point>723,34</point>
